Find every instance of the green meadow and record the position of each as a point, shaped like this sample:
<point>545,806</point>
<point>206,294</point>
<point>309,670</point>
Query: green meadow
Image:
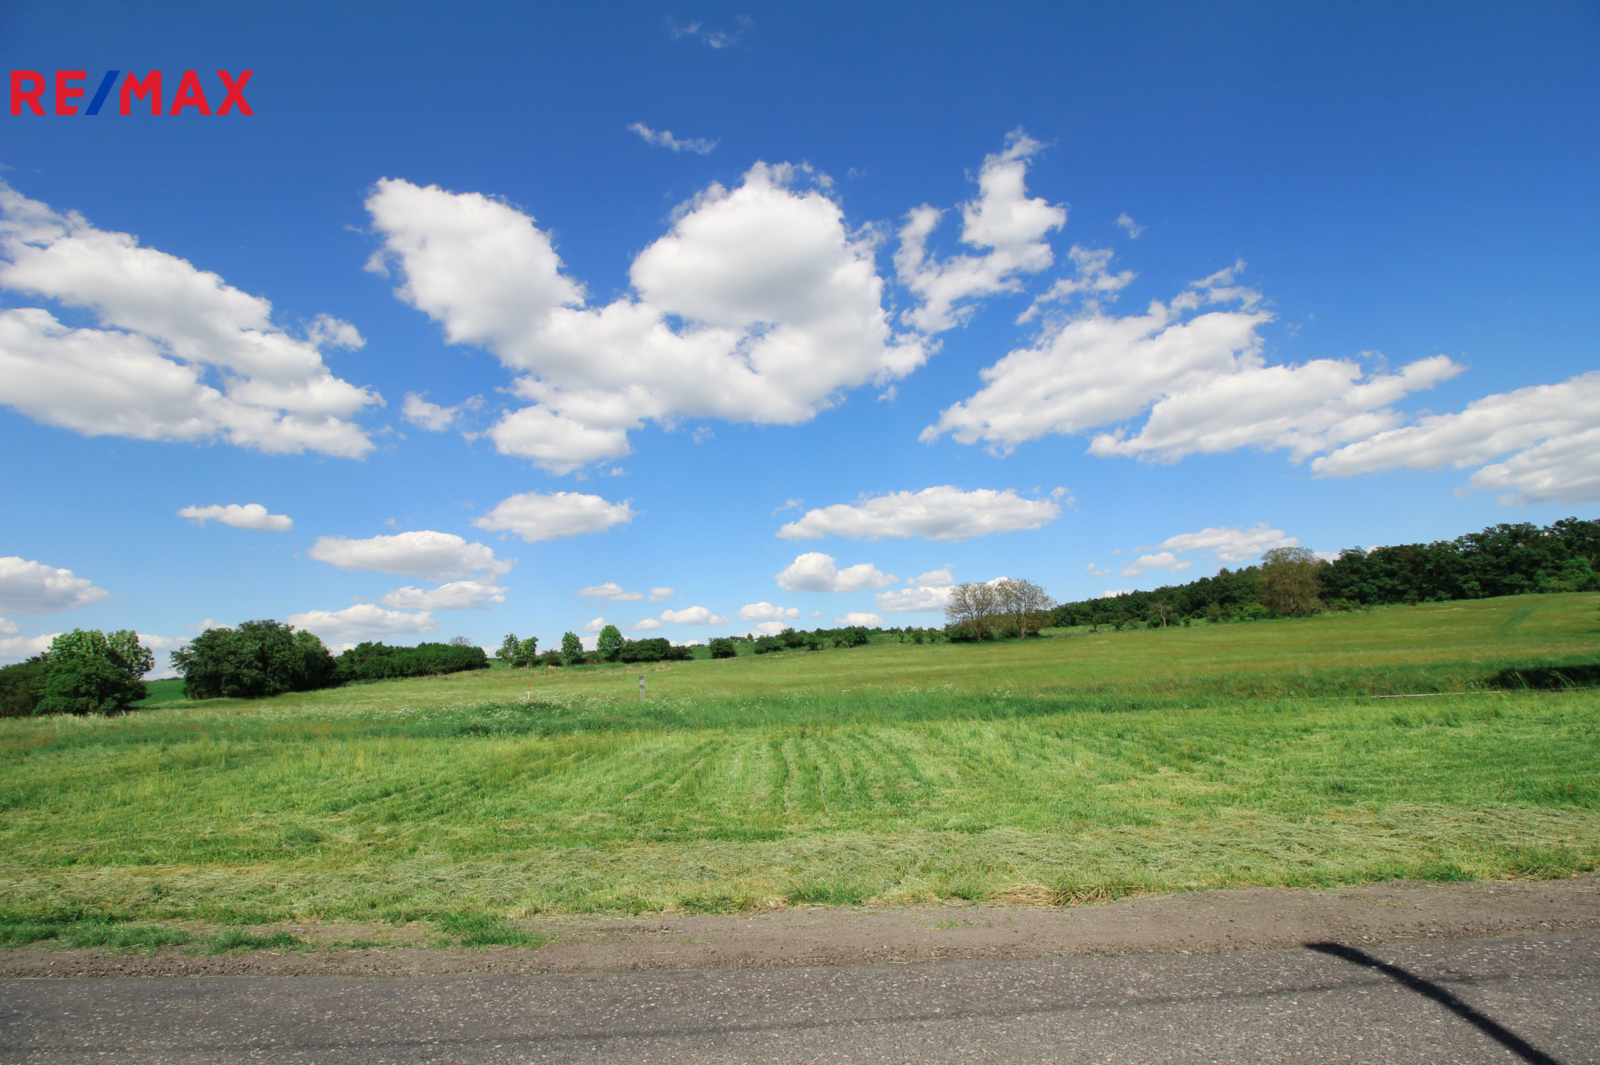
<point>1075,767</point>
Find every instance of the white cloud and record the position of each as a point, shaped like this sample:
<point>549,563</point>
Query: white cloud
<point>1114,593</point>
<point>664,139</point>
<point>710,38</point>
<point>765,611</point>
<point>769,628</point>
<point>364,621</point>
<point>167,329</point>
<point>912,600</point>
<point>248,516</point>
<point>594,625</point>
<point>871,621</point>
<point>160,644</point>
<point>1094,280</point>
<point>816,572</point>
<point>1227,543</point>
<point>1165,560</point>
<point>1133,228</point>
<point>8,628</point>
<point>694,615</point>
<point>1201,377</point>
<point>425,415</point>
<point>647,625</point>
<point>457,595</point>
<point>208,623</point>
<point>434,556</point>
<point>943,513</point>
<point>931,591</point>
<point>1550,432</point>
<point>759,305</point>
<point>34,588</point>
<point>1096,572</point>
<point>658,594</point>
<point>610,590</point>
<point>535,516</point>
<point>1002,219</point>
<point>20,647</point>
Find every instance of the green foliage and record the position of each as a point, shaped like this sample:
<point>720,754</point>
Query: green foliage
<point>232,939</point>
<point>528,651</point>
<point>469,929</point>
<point>722,647</point>
<point>610,643</point>
<point>376,661</point>
<point>656,650</point>
<point>89,672</point>
<point>571,647</point>
<point>510,651</point>
<point>20,687</point>
<point>257,660</point>
<point>1290,580</point>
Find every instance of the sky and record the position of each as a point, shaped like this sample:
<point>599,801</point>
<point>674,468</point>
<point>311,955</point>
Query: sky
<point>695,319</point>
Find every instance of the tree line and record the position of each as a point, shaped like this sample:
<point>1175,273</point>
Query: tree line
<point>1506,559</point>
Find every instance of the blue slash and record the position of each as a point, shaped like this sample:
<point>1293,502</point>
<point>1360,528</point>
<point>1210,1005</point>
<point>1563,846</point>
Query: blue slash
<point>102,92</point>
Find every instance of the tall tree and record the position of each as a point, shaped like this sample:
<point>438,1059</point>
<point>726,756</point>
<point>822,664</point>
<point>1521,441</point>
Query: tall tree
<point>1290,580</point>
<point>609,643</point>
<point>571,647</point>
<point>89,672</point>
<point>971,607</point>
<point>1017,599</point>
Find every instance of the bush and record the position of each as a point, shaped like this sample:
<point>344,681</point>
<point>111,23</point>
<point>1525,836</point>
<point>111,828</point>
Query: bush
<point>20,687</point>
<point>375,661</point>
<point>723,647</point>
<point>89,672</point>
<point>656,650</point>
<point>257,660</point>
<point>768,644</point>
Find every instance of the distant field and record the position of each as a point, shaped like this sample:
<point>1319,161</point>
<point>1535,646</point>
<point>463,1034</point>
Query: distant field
<point>1068,768</point>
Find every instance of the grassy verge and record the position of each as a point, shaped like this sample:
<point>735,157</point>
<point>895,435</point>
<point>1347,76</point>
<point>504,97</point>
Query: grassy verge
<point>1052,771</point>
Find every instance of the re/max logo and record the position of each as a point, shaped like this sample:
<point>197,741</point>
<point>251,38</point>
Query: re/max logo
<point>27,86</point>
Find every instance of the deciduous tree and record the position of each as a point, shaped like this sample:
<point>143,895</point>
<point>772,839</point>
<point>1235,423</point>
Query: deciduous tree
<point>1289,581</point>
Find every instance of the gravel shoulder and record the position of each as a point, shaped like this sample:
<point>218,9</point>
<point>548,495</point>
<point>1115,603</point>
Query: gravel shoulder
<point>1201,922</point>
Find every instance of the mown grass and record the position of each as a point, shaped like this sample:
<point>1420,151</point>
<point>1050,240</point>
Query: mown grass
<point>1083,767</point>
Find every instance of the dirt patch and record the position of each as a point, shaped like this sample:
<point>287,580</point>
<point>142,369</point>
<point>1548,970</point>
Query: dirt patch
<point>1192,923</point>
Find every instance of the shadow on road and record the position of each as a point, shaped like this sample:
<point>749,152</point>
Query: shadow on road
<point>1428,989</point>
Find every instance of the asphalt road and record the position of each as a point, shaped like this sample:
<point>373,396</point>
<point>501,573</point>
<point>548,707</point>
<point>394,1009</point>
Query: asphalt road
<point>1513,1000</point>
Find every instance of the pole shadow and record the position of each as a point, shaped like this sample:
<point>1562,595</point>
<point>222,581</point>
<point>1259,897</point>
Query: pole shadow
<point>1428,989</point>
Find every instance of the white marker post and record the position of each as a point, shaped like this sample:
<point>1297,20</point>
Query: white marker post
<point>641,687</point>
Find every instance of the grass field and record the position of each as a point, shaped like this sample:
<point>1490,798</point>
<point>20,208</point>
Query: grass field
<point>1065,769</point>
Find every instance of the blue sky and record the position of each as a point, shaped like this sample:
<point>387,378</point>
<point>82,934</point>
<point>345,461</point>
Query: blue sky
<point>717,317</point>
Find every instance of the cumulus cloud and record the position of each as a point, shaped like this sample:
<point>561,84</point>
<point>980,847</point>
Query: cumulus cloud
<point>434,556</point>
<point>35,588</point>
<point>816,572</point>
<point>535,516</point>
<point>1133,228</point>
<point>769,628</point>
<point>1165,560</point>
<point>647,625</point>
<point>1112,593</point>
<point>658,594</point>
<point>929,592</point>
<point>1201,377</point>
<point>943,513</point>
<point>664,139</point>
<point>694,615</point>
<point>594,624</point>
<point>1228,544</point>
<point>247,516</point>
<point>871,621</point>
<point>1093,572</point>
<point>179,355</point>
<point>610,590</point>
<point>425,415</point>
<point>765,611</point>
<point>457,595</point>
<point>758,305</point>
<point>1002,219</point>
<point>1095,281</point>
<point>364,621</point>
<point>14,647</point>
<point>1550,432</point>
